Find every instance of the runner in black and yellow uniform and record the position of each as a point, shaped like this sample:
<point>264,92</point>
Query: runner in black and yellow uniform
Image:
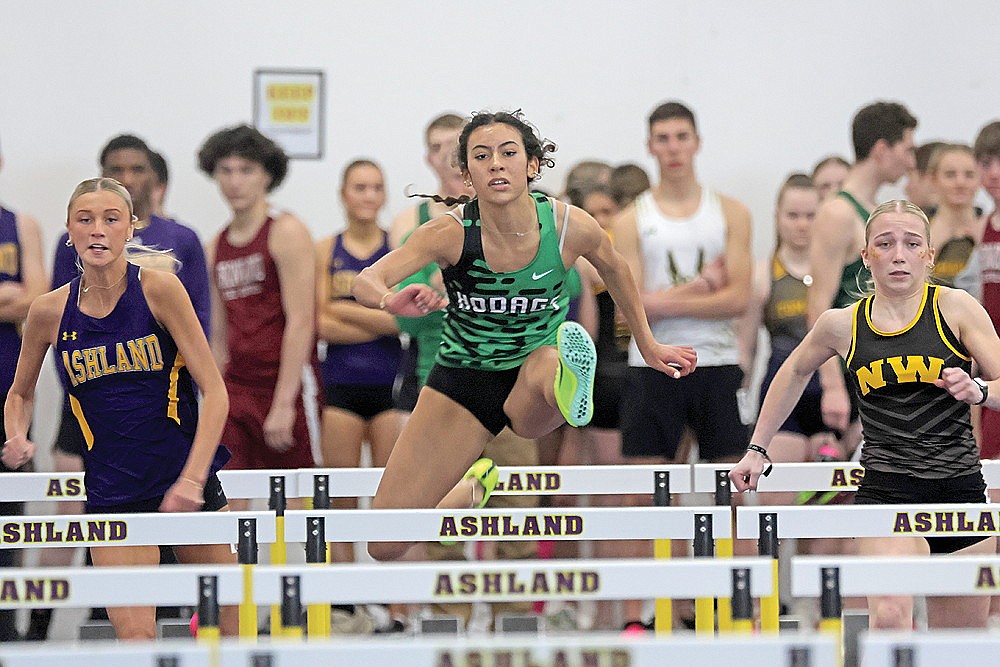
<point>908,350</point>
<point>507,356</point>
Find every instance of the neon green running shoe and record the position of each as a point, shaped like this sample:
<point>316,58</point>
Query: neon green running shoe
<point>486,472</point>
<point>574,383</point>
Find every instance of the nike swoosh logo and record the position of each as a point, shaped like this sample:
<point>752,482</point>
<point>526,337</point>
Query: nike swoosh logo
<point>536,276</point>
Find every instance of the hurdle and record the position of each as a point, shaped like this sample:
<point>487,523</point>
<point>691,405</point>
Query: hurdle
<point>938,647</point>
<point>433,652</point>
<point>418,525</point>
<point>245,529</point>
<point>495,581</point>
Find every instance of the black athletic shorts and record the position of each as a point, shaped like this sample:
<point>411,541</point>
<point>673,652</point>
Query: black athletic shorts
<point>609,381</point>
<point>69,437</point>
<point>406,388</point>
<point>215,500</point>
<point>888,488</point>
<point>364,400</point>
<point>482,393</point>
<point>659,407</point>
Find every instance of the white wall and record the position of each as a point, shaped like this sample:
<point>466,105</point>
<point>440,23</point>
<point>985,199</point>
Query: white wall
<point>774,84</point>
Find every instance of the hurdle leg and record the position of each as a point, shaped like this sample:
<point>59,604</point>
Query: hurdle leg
<point>318,624</point>
<point>742,602</point>
<point>278,550</point>
<point>663,621</point>
<point>291,608</point>
<point>767,544</point>
<point>247,557</point>
<point>724,545</point>
<point>831,619</point>
<point>704,608</point>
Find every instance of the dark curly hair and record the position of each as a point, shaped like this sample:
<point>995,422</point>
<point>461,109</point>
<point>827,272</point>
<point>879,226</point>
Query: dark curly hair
<point>533,145</point>
<point>248,143</point>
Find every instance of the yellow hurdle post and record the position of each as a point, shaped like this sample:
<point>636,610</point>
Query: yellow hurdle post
<point>247,557</point>
<point>742,602</point>
<point>704,547</point>
<point>724,545</point>
<point>831,622</point>
<point>279,551</point>
<point>318,624</point>
<point>767,545</point>
<point>664,619</point>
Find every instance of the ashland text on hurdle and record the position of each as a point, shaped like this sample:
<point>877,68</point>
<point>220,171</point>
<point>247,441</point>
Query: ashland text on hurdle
<point>951,521</point>
<point>546,525</point>
<point>24,589</point>
<point>568,582</point>
<point>42,532</point>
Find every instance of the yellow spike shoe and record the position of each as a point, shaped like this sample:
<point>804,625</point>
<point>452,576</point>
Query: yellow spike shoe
<point>486,472</point>
<point>574,383</point>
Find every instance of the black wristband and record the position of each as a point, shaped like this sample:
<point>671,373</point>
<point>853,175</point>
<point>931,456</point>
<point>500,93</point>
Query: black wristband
<point>763,452</point>
<point>983,387</point>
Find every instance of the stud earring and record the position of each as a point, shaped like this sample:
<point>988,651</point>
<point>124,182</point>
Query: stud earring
<point>69,244</point>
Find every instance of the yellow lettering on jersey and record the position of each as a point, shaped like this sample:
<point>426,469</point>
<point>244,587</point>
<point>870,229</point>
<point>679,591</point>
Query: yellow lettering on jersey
<point>8,258</point>
<point>916,366</point>
<point>124,365</point>
<point>74,367</point>
<point>106,368</point>
<point>92,362</point>
<point>138,353</point>
<point>870,377</point>
<point>152,344</point>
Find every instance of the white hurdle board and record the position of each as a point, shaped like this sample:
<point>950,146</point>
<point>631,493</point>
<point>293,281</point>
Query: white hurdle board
<point>934,647</point>
<point>795,477</point>
<point>506,581</point>
<point>590,523</point>
<point>542,651</point>
<point>115,586</point>
<point>904,575</point>
<point>928,520</point>
<point>362,482</point>
<point>151,528</point>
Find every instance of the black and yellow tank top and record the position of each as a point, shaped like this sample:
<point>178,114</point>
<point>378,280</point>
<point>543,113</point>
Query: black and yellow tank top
<point>951,258</point>
<point>911,426</point>
<point>784,314</point>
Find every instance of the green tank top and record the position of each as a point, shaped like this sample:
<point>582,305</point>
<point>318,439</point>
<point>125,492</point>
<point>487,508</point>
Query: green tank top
<point>855,278</point>
<point>495,320</point>
<point>426,330</point>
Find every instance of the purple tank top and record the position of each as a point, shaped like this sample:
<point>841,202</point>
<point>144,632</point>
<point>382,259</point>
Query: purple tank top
<point>10,271</point>
<point>132,395</point>
<point>371,363</point>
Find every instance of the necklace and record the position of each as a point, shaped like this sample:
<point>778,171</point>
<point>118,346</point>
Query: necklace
<point>114,284</point>
<point>514,233</point>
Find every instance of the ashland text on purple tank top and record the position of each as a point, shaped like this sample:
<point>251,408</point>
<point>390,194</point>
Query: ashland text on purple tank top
<point>375,362</point>
<point>132,394</point>
<point>10,271</point>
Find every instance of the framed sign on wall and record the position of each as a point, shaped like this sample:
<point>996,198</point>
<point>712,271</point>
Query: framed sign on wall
<point>288,108</point>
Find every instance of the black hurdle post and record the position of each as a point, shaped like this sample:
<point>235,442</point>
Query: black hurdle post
<point>663,620</point>
<point>208,608</point>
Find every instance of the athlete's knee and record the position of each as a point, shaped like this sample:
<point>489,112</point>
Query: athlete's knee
<point>387,551</point>
<point>891,613</point>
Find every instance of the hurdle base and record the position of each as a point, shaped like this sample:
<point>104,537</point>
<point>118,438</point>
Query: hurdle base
<point>440,625</point>
<point>855,621</point>
<point>518,624</point>
<point>174,629</point>
<point>789,623</point>
<point>98,630</point>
